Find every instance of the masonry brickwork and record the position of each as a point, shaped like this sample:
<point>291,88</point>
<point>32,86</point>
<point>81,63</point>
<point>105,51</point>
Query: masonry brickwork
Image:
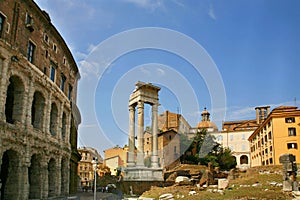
<point>38,114</point>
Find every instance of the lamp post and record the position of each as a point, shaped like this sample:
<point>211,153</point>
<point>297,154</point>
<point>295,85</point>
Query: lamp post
<point>94,163</point>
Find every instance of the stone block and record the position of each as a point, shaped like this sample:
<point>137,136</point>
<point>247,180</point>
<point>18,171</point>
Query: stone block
<point>181,179</point>
<point>223,183</point>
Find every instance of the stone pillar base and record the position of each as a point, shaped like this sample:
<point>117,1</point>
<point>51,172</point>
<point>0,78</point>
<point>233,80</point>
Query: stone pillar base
<point>143,174</point>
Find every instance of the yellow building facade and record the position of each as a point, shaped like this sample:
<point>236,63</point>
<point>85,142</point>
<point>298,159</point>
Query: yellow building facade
<point>278,134</point>
<point>115,157</point>
<point>85,165</point>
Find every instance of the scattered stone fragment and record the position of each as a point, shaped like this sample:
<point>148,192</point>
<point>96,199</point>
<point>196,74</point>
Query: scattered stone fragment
<point>167,196</point>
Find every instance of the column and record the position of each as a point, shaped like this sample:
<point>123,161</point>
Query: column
<point>154,163</point>
<point>131,139</point>
<point>140,136</point>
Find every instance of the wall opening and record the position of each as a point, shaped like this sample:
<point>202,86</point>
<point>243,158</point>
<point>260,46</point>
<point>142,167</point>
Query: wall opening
<point>53,119</point>
<point>14,98</point>
<point>64,176</point>
<point>37,110</point>
<point>64,125</point>
<point>10,175</point>
<point>51,178</point>
<point>34,177</point>
<point>244,159</point>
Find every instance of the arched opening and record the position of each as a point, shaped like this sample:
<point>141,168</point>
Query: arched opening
<point>64,125</point>
<point>37,110</point>
<point>34,177</point>
<point>51,178</point>
<point>244,159</point>
<point>9,175</point>
<point>53,119</point>
<point>64,176</point>
<point>14,98</point>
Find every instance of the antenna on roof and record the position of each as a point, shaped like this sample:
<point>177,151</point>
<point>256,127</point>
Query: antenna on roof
<point>295,101</point>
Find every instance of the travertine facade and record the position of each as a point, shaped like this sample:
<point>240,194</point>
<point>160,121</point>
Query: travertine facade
<point>38,113</point>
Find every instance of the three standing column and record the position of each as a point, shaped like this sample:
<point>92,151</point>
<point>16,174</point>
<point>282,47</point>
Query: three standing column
<point>154,158</point>
<point>140,136</point>
<point>131,138</point>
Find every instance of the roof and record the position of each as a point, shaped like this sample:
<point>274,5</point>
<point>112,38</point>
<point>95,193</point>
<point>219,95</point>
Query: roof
<point>279,112</point>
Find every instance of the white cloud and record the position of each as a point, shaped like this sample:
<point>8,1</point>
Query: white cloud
<point>147,4</point>
<point>145,71</point>
<point>211,12</point>
<point>240,113</point>
<point>160,71</point>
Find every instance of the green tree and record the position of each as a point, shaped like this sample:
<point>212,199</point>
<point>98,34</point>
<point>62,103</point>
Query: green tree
<point>220,157</point>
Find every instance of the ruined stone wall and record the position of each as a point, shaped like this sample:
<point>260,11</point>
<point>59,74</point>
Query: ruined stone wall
<point>35,110</point>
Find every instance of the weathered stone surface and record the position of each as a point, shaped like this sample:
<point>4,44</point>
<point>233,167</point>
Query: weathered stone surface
<point>38,112</point>
<point>181,178</point>
<point>167,196</point>
<point>223,184</point>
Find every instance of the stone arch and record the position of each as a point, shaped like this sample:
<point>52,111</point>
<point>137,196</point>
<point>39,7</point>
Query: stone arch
<point>53,119</point>
<point>244,159</point>
<point>64,125</point>
<point>37,110</point>
<point>52,178</point>
<point>14,100</point>
<point>34,177</point>
<point>10,175</point>
<point>64,176</point>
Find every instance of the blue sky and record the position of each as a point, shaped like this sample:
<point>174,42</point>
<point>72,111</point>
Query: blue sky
<point>251,48</point>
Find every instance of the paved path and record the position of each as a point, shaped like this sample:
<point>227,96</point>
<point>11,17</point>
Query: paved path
<point>100,196</point>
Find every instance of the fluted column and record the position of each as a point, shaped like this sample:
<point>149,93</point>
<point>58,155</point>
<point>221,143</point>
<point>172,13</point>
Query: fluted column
<point>131,139</point>
<point>140,136</point>
<point>154,159</point>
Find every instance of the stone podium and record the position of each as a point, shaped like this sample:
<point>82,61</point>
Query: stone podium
<point>136,170</point>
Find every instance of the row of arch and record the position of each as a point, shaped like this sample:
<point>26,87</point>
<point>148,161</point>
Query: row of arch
<point>41,178</point>
<point>15,106</point>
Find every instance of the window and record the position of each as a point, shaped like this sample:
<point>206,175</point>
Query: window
<point>54,48</point>
<point>292,146</point>
<point>243,137</point>
<point>219,138</point>
<point>2,18</point>
<point>175,150</point>
<point>231,137</point>
<point>28,20</point>
<point>270,135</point>
<point>70,92</point>
<point>52,71</point>
<point>62,82</point>
<point>170,137</point>
<point>292,131</point>
<point>46,38</point>
<point>290,120</point>
<point>243,147</point>
<point>30,51</point>
<point>46,54</point>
